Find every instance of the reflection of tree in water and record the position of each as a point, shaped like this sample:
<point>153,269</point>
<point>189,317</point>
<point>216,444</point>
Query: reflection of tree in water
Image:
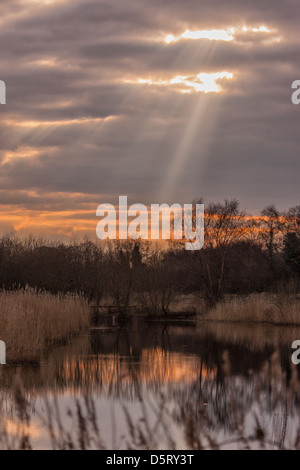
<point>232,406</point>
<point>211,381</point>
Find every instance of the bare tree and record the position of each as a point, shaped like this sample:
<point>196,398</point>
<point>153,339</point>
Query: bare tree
<point>157,286</point>
<point>292,220</point>
<point>120,273</point>
<point>225,224</point>
<point>271,226</point>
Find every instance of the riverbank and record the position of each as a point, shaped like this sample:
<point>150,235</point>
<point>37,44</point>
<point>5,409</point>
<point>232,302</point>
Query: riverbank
<point>281,308</point>
<point>257,308</point>
<point>30,322</point>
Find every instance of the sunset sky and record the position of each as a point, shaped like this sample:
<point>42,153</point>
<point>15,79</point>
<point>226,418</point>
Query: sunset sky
<point>160,100</point>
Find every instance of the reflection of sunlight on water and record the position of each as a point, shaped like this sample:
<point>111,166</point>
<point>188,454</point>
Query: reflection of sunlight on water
<point>155,366</point>
<point>234,375</point>
<point>14,429</point>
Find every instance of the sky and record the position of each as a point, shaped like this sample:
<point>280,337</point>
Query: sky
<point>163,101</point>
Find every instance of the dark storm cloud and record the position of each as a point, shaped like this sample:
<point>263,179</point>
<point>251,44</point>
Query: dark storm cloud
<point>76,60</point>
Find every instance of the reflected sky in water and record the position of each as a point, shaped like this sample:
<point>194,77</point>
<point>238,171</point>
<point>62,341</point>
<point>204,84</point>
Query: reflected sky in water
<point>175,382</point>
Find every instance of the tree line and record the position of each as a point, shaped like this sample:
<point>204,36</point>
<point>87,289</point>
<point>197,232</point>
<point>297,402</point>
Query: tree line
<point>242,255</point>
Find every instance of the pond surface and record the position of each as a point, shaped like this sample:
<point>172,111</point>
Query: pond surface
<point>161,386</point>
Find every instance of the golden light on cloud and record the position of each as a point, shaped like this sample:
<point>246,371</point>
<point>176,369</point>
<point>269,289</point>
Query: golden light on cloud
<point>66,122</point>
<point>42,2</point>
<point>204,82</point>
<point>227,35</point>
<point>55,224</point>
<point>51,62</point>
<point>59,215</point>
<point>201,83</point>
<point>25,152</point>
<point>261,29</point>
<point>212,34</point>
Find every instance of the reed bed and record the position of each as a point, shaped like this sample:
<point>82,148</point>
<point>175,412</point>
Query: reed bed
<point>260,308</point>
<point>31,321</point>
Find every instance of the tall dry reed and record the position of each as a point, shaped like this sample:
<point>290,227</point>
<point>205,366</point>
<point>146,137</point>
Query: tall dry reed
<point>261,308</point>
<point>30,321</point>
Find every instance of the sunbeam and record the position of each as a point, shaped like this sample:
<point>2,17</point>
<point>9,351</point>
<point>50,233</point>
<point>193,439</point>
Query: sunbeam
<point>195,130</point>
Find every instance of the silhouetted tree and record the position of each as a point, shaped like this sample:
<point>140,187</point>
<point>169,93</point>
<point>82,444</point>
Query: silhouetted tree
<point>291,251</point>
<point>224,226</point>
<point>271,226</point>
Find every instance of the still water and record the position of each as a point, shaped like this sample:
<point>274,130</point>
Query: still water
<point>162,386</point>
